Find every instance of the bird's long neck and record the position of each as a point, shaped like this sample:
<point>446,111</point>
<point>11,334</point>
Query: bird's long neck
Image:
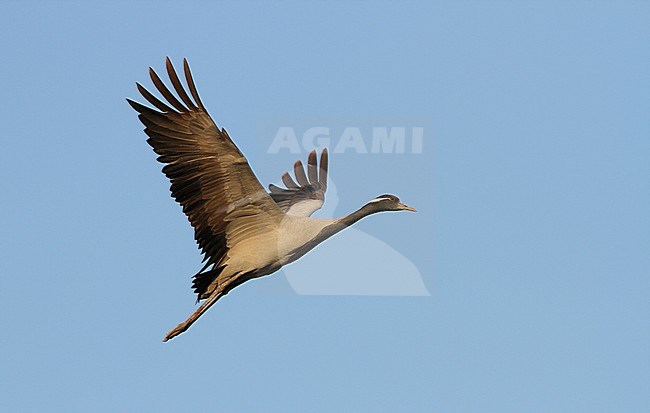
<point>340,224</point>
<point>362,212</point>
<point>333,227</point>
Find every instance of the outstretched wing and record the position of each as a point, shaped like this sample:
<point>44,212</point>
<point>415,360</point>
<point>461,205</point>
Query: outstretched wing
<point>210,178</point>
<point>308,195</point>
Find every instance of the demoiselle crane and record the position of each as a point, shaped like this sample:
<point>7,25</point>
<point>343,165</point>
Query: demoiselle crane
<point>243,231</point>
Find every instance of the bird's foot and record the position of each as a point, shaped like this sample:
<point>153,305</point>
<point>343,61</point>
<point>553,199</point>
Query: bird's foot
<point>176,331</point>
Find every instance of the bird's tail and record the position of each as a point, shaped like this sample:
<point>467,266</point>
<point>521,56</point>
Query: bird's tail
<point>182,327</point>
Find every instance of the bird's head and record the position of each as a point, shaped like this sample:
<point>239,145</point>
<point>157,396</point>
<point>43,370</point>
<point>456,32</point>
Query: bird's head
<point>388,202</point>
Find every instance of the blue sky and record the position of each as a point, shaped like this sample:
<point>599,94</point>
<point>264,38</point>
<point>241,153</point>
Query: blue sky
<point>532,234</point>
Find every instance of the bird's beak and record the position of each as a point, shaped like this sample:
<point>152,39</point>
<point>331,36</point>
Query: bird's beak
<point>408,208</point>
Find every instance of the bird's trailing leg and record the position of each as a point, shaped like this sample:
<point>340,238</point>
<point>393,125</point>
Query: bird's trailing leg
<point>182,327</point>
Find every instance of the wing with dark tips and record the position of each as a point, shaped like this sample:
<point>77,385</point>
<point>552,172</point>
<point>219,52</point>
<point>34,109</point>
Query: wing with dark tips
<point>210,177</point>
<point>306,194</point>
